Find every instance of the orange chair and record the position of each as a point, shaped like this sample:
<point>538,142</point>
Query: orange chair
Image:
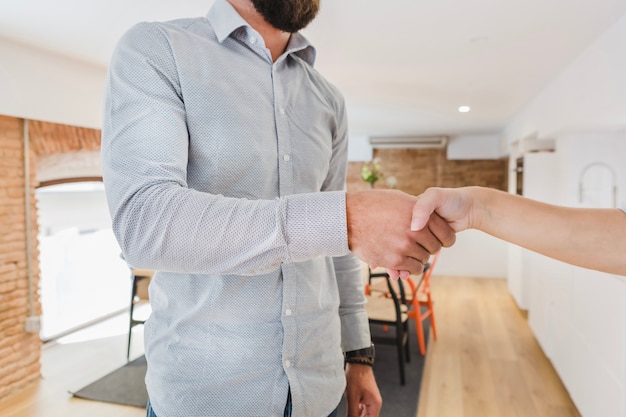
<point>422,297</point>
<point>413,296</point>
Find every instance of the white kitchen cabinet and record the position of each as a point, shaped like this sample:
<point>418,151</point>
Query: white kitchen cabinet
<point>578,315</point>
<point>540,180</point>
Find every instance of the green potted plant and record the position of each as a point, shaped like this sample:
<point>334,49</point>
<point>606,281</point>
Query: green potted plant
<point>371,172</point>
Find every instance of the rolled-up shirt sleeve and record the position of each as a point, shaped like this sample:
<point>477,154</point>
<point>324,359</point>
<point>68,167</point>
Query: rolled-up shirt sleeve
<point>355,331</point>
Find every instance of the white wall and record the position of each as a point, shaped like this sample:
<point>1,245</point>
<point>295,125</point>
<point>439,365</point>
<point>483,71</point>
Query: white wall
<point>590,95</point>
<point>475,254</point>
<point>35,84</point>
<point>485,146</point>
<point>359,148</point>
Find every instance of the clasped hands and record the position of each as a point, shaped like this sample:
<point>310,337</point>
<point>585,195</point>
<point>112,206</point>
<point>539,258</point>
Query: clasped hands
<point>382,231</point>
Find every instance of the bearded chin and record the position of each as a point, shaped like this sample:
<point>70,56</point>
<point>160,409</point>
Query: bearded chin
<point>287,15</point>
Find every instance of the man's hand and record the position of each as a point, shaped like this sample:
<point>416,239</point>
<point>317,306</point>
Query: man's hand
<point>362,394</point>
<point>454,205</point>
<point>379,231</point>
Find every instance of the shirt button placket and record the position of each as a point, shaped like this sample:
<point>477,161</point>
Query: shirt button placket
<point>282,132</point>
<point>286,187</point>
<point>289,320</point>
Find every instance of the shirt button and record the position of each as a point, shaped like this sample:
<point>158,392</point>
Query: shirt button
<point>282,111</point>
<point>252,39</point>
<point>288,312</point>
<point>287,363</point>
<point>287,158</point>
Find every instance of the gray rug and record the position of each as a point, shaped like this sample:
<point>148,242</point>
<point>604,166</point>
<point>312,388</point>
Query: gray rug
<point>126,384</point>
<point>122,386</point>
<point>398,400</point>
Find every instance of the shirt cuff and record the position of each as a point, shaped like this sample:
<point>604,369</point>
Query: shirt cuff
<point>355,331</point>
<point>316,225</point>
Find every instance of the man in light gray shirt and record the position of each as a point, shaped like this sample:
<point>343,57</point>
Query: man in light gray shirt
<point>224,159</point>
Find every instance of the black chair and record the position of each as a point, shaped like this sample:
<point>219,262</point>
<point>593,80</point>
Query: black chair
<point>414,293</point>
<point>139,294</point>
<point>389,310</point>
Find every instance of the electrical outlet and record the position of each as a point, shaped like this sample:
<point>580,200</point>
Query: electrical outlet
<point>33,324</point>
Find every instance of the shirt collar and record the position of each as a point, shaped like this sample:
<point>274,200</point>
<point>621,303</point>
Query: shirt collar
<point>300,46</point>
<point>225,20</point>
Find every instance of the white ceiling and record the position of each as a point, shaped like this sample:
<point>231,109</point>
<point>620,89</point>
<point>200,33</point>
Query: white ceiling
<point>405,66</point>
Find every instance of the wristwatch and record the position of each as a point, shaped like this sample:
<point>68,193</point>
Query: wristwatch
<point>363,356</point>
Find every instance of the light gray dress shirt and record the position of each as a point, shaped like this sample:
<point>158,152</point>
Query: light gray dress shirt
<point>224,172</point>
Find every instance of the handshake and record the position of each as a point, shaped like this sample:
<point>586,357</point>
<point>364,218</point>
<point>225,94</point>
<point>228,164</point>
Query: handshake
<point>395,230</point>
<point>399,232</point>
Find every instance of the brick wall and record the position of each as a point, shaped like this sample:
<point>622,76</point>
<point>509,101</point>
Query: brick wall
<point>418,169</point>
<point>19,351</point>
<point>53,138</point>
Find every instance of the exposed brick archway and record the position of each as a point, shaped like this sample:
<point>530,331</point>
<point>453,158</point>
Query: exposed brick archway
<point>52,138</point>
<point>20,351</point>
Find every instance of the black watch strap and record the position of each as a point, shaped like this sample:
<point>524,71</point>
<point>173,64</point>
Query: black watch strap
<point>368,362</point>
<point>368,352</point>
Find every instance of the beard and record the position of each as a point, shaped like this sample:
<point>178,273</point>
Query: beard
<point>287,15</point>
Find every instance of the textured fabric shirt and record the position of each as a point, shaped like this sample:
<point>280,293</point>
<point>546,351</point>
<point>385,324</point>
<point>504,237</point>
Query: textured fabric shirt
<point>224,173</point>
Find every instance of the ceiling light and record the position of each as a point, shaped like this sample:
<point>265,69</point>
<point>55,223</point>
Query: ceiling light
<point>464,109</point>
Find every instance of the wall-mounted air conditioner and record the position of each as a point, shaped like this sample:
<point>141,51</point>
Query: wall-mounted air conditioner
<point>532,143</point>
<point>420,142</point>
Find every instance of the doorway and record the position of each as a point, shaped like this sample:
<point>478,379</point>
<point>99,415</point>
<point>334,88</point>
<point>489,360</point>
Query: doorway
<point>83,278</point>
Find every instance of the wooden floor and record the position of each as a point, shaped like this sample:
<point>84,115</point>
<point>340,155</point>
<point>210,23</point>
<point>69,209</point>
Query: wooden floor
<point>72,363</point>
<point>485,363</point>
